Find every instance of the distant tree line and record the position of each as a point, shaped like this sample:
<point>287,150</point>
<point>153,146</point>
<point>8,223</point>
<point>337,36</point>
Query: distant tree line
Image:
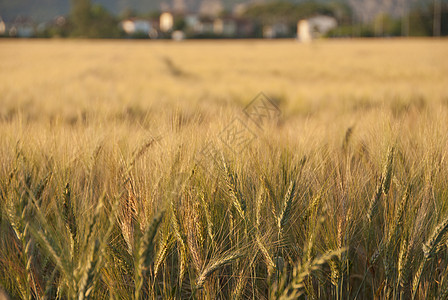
<point>290,13</point>
<point>86,20</point>
<point>90,20</point>
<point>272,12</point>
<point>410,19</point>
<point>422,19</point>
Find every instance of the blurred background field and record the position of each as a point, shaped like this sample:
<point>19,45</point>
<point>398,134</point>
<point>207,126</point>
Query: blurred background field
<point>72,78</point>
<point>342,197</point>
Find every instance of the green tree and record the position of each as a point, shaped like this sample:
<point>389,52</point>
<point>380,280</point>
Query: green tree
<point>103,24</point>
<point>92,21</point>
<point>423,17</point>
<point>271,12</point>
<point>81,17</point>
<point>179,23</point>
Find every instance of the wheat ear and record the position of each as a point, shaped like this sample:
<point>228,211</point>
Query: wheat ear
<point>285,213</point>
<point>213,266</point>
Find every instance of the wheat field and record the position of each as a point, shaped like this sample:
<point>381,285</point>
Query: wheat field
<point>224,169</point>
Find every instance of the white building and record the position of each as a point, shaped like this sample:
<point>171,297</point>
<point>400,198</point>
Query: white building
<point>136,26</point>
<point>225,26</point>
<point>315,27</point>
<point>2,27</point>
<point>205,26</point>
<point>166,21</point>
<point>192,21</point>
<point>178,35</point>
<point>22,27</point>
<point>275,30</point>
<point>303,31</point>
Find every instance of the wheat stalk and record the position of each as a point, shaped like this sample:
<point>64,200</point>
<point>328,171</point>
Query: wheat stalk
<point>242,279</point>
<point>182,249</point>
<point>431,246</point>
<point>296,288</point>
<point>129,214</point>
<point>258,204</point>
<point>145,254</point>
<point>238,201</point>
<point>87,281</point>
<point>403,265</point>
<point>347,137</point>
<point>68,213</point>
<point>387,171</point>
<point>267,257</point>
<point>373,205</point>
<point>147,241</point>
<point>208,219</point>
<point>270,192</point>
<point>430,249</point>
<point>417,278</point>
<point>285,213</point>
<point>140,151</point>
<point>164,246</point>
<point>213,266</point>
<point>398,220</point>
